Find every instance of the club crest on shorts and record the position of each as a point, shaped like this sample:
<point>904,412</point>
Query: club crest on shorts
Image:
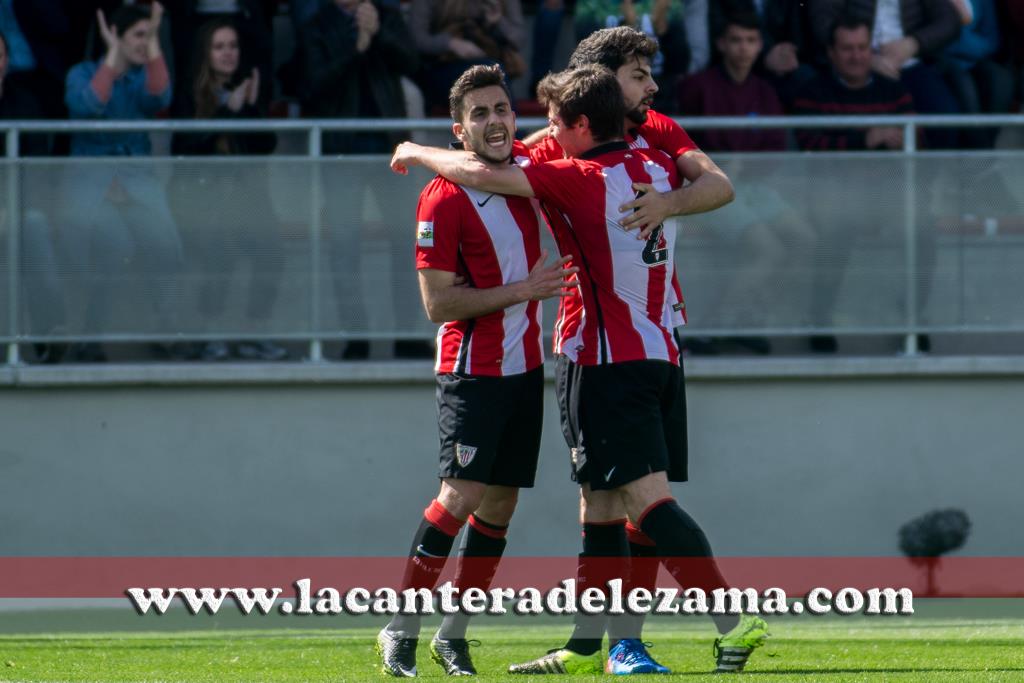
<point>464,454</point>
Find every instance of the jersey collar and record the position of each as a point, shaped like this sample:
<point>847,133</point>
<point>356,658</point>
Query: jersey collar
<point>604,148</point>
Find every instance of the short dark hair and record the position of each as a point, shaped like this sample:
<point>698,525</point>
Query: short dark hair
<point>126,16</point>
<point>592,90</point>
<point>743,19</point>
<point>474,78</point>
<point>846,22</point>
<point>613,47</point>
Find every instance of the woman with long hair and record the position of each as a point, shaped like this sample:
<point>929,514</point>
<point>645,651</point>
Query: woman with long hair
<point>223,209</point>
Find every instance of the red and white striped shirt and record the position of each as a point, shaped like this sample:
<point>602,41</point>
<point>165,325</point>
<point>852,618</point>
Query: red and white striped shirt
<point>491,240</point>
<point>625,283</point>
<point>657,132</point>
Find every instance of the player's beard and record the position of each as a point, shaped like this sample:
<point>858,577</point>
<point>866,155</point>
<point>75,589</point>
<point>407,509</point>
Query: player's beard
<point>487,153</point>
<point>638,115</point>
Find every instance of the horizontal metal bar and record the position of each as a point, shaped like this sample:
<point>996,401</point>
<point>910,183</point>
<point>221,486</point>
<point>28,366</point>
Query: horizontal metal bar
<point>443,124</point>
<point>688,331</point>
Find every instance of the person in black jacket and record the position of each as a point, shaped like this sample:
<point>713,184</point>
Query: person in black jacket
<point>253,21</point>
<point>224,209</point>
<point>355,54</point>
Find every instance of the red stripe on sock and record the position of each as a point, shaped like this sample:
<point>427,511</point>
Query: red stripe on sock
<point>438,516</point>
<point>486,530</point>
<point>636,536</point>
<point>647,510</point>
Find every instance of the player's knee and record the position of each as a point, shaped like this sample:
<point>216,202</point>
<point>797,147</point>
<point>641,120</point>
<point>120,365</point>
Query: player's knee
<point>461,497</point>
<point>498,505</point>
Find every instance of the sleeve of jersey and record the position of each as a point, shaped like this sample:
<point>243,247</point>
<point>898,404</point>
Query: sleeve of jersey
<point>667,135</point>
<point>547,149</point>
<point>438,220</point>
<point>557,183</point>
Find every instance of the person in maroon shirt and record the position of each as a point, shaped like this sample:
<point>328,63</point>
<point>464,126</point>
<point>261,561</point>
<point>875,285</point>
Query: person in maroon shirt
<point>760,227</point>
<point>732,89</point>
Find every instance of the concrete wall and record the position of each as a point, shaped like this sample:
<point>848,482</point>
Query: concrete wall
<point>787,458</point>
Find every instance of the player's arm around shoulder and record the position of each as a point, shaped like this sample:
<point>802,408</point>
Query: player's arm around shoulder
<point>708,189</point>
<point>446,298</point>
<point>462,168</point>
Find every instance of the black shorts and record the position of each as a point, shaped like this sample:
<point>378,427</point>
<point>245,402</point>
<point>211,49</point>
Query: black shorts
<point>490,427</point>
<point>622,421</point>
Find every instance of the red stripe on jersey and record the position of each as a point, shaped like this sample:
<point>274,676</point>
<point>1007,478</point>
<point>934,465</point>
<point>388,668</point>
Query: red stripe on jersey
<point>625,313</point>
<point>492,240</point>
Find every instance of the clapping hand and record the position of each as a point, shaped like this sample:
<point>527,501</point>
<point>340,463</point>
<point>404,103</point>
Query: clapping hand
<point>253,93</point>
<point>367,23</point>
<point>114,59</point>
<point>244,93</point>
<point>155,16</point>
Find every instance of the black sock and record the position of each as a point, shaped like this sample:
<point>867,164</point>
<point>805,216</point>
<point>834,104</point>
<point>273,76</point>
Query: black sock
<point>430,549</point>
<point>605,552</point>
<point>686,553</point>
<point>643,573</point>
<point>482,547</point>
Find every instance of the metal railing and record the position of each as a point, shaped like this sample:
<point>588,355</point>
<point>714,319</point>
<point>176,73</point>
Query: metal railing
<point>314,130</point>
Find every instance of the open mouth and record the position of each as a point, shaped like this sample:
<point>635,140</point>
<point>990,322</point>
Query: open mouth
<point>496,138</point>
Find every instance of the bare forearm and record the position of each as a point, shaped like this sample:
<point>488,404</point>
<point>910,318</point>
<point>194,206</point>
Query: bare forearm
<point>459,167</point>
<point>708,192</point>
<point>465,303</point>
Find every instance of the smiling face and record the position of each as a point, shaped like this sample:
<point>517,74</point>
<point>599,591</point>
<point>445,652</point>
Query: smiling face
<point>134,41</point>
<point>224,52</point>
<point>488,124</point>
<point>638,88</point>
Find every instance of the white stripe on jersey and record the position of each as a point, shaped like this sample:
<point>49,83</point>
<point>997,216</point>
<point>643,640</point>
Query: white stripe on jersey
<point>631,274</point>
<point>639,142</point>
<point>510,250</point>
<point>676,317</point>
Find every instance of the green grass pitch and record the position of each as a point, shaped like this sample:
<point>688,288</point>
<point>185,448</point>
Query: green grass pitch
<point>932,645</point>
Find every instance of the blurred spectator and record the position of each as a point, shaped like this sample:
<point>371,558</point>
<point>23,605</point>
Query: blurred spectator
<point>453,35</point>
<point>117,213</point>
<point>904,34</point>
<point>224,209</point>
<point>547,26</point>
<point>786,56</point>
<point>355,54</point>
<point>851,88</point>
<point>35,62</point>
<point>680,27</point>
<point>980,84</point>
<point>763,232</point>
<point>730,88</point>
<point>1011,21</point>
<point>42,292</point>
<point>841,215</point>
<point>253,20</point>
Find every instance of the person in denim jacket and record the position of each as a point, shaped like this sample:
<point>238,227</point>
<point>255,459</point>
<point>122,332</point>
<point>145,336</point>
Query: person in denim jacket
<point>118,213</point>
